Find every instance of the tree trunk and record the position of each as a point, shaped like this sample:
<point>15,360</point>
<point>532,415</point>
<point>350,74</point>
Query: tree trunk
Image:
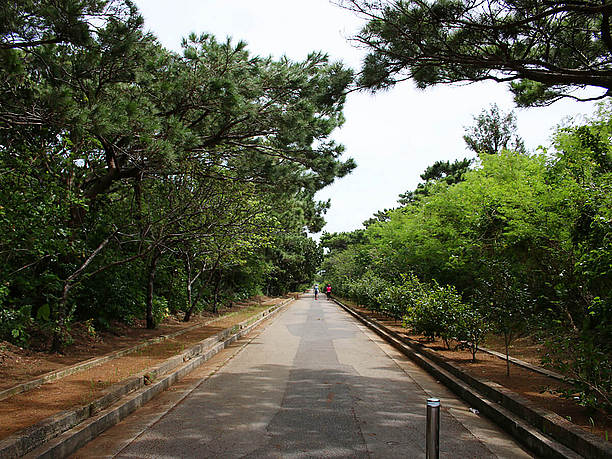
<point>190,304</point>
<point>193,304</point>
<point>216,293</point>
<point>61,312</point>
<point>507,339</point>
<point>57,345</point>
<point>189,285</point>
<point>150,285</point>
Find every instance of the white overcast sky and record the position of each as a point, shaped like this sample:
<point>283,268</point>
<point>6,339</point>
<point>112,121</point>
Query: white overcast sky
<point>393,135</point>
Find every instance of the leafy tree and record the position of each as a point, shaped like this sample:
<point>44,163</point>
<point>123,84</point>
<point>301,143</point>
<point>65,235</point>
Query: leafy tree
<point>521,237</point>
<point>450,173</point>
<point>492,132</point>
<point>123,158</point>
<point>505,302</point>
<point>368,290</point>
<point>585,355</point>
<point>342,241</point>
<point>433,310</point>
<point>28,24</point>
<point>294,259</point>
<point>520,243</point>
<point>445,170</point>
<point>472,326</point>
<point>545,50</point>
<point>347,258</point>
<point>199,217</point>
<point>379,216</point>
<point>583,158</point>
<point>397,298</point>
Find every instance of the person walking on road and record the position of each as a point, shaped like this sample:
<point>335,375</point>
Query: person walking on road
<point>328,291</point>
<point>316,291</point>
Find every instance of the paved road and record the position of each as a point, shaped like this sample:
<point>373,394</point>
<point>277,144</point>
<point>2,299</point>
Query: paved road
<point>313,383</point>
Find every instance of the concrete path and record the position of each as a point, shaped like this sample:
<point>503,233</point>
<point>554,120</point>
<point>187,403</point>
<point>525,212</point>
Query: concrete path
<point>313,383</point>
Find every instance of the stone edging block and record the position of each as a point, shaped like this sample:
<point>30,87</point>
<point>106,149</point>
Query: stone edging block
<point>522,363</point>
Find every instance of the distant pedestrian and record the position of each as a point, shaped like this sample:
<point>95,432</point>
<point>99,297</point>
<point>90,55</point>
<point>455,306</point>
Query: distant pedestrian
<point>328,291</point>
<point>316,291</point>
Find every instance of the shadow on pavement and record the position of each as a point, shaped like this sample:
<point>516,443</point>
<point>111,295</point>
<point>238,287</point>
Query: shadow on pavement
<point>323,413</point>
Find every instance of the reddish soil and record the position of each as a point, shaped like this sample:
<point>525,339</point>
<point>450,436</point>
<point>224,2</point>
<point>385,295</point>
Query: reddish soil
<point>17,365</point>
<point>539,389</point>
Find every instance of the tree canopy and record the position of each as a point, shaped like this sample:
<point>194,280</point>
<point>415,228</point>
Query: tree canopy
<point>546,50</point>
<point>520,241</point>
<point>492,132</point>
<point>135,180</point>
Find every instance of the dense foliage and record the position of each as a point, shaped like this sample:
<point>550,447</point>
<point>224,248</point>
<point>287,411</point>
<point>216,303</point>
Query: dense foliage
<point>522,241</point>
<point>546,50</point>
<point>135,181</point>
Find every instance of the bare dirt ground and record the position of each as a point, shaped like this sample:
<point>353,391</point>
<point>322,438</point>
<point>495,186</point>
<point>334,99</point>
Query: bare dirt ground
<point>18,365</point>
<point>540,389</point>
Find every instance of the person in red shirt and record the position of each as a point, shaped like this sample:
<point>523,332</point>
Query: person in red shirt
<point>328,291</point>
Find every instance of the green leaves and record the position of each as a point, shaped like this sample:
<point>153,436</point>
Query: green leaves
<point>116,152</point>
<point>492,132</point>
<point>43,313</point>
<point>546,50</point>
<point>521,242</point>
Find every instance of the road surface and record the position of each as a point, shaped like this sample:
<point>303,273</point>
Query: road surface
<point>311,383</point>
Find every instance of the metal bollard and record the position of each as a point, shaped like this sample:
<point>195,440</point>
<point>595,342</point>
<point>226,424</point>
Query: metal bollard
<point>433,429</point>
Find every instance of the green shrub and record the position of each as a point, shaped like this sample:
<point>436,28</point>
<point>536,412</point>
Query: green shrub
<point>585,356</point>
<point>367,290</point>
<point>435,312</point>
<point>14,324</point>
<point>397,298</point>
<point>470,327</point>
<point>161,311</point>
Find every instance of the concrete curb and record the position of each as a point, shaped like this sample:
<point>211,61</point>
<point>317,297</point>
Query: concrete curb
<point>85,365</point>
<point>531,425</point>
<point>529,366</point>
<point>71,427</point>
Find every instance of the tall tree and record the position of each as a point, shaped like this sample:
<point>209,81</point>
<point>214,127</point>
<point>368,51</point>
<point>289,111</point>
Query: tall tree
<point>445,171</point>
<point>26,24</point>
<point>546,50</point>
<point>493,131</point>
<point>119,153</point>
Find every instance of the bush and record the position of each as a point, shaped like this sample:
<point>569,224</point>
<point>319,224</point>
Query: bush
<point>428,309</point>
<point>397,298</point>
<point>436,312</point>
<point>367,291</point>
<point>14,325</point>
<point>471,327</point>
<point>161,311</point>
<point>585,356</point>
